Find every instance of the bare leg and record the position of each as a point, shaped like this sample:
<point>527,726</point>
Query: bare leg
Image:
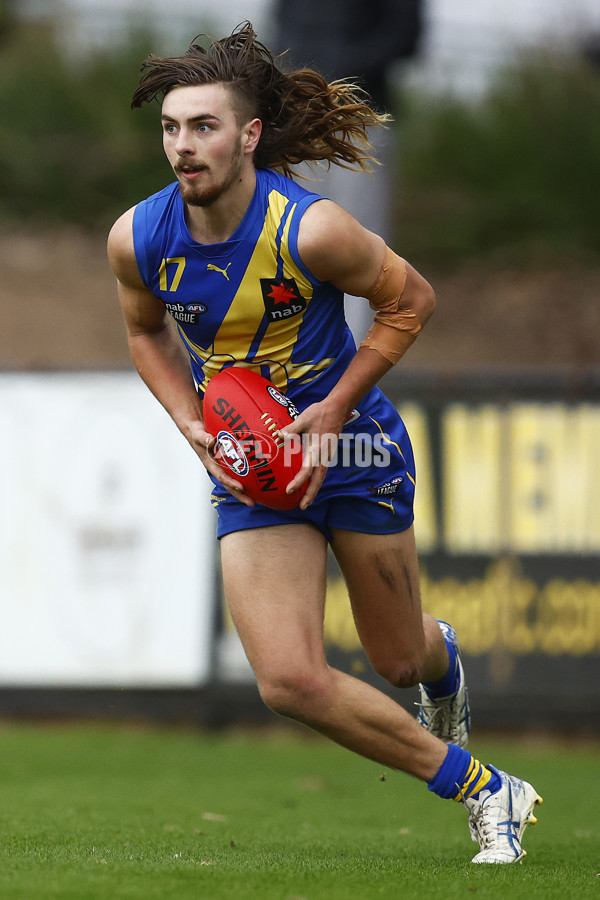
<point>275,581</point>
<point>382,573</point>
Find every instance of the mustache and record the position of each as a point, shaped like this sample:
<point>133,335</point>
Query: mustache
<point>183,167</point>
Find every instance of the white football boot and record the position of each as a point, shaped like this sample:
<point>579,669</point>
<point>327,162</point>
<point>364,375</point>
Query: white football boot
<point>497,821</point>
<point>448,718</point>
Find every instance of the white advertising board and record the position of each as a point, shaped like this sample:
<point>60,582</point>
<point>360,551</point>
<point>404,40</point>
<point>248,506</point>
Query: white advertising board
<point>107,537</point>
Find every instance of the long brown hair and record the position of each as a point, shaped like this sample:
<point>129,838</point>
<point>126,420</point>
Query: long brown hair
<point>305,118</point>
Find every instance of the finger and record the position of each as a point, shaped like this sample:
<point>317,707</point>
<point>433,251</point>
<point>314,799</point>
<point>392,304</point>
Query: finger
<point>298,480</point>
<point>314,486</point>
<point>236,490</point>
<point>293,428</point>
<point>238,493</point>
<point>204,444</point>
<point>230,484</point>
<point>300,424</point>
<point>310,459</point>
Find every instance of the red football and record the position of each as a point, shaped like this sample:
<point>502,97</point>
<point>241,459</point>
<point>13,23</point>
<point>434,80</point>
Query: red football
<point>244,412</point>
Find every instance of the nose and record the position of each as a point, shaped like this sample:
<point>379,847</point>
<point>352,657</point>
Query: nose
<point>183,144</point>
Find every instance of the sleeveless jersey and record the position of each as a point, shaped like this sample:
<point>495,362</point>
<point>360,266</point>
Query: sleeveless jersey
<point>250,300</point>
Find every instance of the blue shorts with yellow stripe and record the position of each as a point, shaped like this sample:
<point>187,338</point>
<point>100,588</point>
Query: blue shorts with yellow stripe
<point>370,488</point>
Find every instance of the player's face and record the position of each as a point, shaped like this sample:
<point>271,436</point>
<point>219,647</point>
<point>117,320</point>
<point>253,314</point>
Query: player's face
<point>203,141</point>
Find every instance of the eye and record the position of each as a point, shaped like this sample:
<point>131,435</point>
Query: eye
<point>170,128</point>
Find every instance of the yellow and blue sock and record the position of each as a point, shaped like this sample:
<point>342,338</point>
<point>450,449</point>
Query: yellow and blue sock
<point>448,684</point>
<point>461,776</point>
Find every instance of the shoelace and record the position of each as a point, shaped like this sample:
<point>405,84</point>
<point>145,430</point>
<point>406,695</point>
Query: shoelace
<point>474,818</point>
<point>489,830</point>
<point>441,716</point>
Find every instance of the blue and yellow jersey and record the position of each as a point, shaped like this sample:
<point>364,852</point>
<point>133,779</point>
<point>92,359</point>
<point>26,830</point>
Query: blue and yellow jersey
<point>249,300</point>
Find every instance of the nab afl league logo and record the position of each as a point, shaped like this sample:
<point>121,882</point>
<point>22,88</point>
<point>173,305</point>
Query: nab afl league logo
<point>189,314</point>
<point>282,298</point>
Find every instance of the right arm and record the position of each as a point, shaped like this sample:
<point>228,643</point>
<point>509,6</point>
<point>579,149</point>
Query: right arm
<point>157,352</point>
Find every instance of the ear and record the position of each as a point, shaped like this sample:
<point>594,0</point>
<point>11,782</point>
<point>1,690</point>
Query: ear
<point>251,135</point>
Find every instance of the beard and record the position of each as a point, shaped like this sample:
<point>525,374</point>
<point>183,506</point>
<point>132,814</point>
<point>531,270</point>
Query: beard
<point>206,194</point>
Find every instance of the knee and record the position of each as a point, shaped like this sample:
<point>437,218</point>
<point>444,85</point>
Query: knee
<point>403,673</point>
<point>293,694</point>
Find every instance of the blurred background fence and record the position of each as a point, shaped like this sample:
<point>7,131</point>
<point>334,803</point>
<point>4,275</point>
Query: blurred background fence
<point>109,588</point>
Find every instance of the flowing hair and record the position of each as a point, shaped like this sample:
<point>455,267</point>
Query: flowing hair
<point>304,118</point>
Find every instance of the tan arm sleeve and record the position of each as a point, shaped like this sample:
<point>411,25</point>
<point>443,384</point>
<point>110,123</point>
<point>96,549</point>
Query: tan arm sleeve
<point>395,326</point>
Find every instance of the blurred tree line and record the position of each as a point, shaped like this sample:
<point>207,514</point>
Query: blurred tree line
<point>514,174</point>
<point>511,176</point>
<point>71,149</point>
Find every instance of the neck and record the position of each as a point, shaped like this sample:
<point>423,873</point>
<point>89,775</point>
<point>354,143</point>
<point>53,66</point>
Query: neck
<point>216,223</point>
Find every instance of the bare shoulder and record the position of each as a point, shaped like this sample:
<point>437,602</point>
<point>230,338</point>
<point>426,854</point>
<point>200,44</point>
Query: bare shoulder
<point>143,311</point>
<point>121,252</point>
<point>337,248</point>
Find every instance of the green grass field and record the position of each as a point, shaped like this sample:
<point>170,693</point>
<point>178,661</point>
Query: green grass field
<point>95,811</point>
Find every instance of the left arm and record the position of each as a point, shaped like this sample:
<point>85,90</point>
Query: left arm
<point>336,248</point>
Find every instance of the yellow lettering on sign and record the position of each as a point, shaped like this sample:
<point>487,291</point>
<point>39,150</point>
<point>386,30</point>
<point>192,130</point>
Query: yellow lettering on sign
<point>577,487</point>
<point>554,477</point>
<point>473,478</point>
<point>426,531</point>
<point>502,612</point>
<point>339,629</point>
<point>569,618</point>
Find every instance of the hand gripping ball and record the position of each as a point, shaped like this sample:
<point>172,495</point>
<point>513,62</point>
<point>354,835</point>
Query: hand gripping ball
<point>244,412</point>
